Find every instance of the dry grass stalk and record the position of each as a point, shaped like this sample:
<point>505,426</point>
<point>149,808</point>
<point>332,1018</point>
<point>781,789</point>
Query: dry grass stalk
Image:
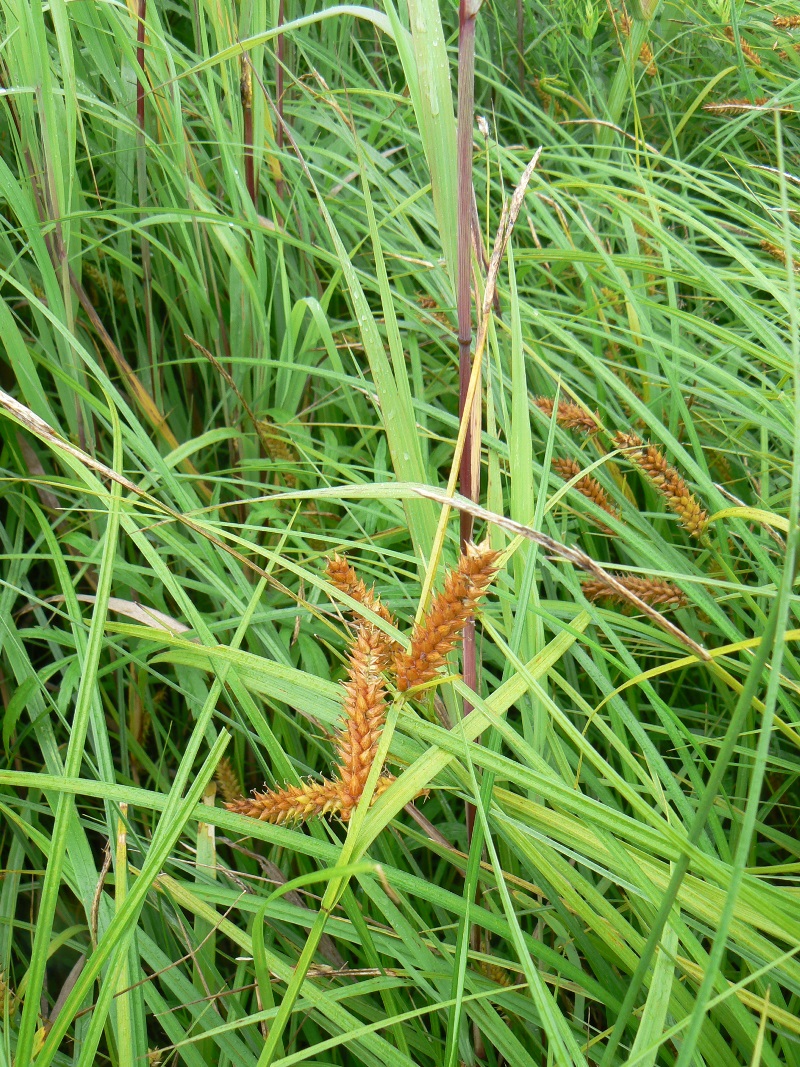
<point>741,107</point>
<point>652,462</point>
<point>587,485</point>
<point>777,253</point>
<point>227,780</point>
<point>656,591</point>
<point>569,415</point>
<point>439,632</point>
<point>747,49</point>
<point>735,107</point>
<point>786,22</point>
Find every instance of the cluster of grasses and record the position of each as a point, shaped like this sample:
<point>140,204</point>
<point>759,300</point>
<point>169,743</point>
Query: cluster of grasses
<point>232,254</point>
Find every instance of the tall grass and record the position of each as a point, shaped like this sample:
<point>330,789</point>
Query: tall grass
<point>230,350</point>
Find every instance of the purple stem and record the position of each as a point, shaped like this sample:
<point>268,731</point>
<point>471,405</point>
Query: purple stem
<point>468,471</point>
<point>279,94</point>
<point>466,72</point>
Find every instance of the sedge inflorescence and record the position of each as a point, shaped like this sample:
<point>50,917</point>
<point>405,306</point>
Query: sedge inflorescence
<point>374,656</point>
<point>652,462</point>
<point>655,591</point>
<point>440,630</point>
<point>587,486</point>
<point>569,415</point>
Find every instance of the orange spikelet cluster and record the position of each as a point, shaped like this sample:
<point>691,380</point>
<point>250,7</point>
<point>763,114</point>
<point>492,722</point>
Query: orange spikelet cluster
<point>342,575</point>
<point>652,462</point>
<point>656,591</point>
<point>777,253</point>
<point>293,803</point>
<point>439,632</point>
<point>569,415</point>
<point>364,706</point>
<point>747,49</point>
<point>363,713</point>
<point>587,485</point>
<point>786,22</point>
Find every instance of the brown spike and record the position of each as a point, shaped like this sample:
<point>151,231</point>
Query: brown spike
<point>294,803</point>
<point>342,575</point>
<point>570,415</point>
<point>364,712</point>
<point>439,632</point>
<point>587,485</point>
<point>777,253</point>
<point>786,22</point>
<point>656,591</point>
<point>227,780</point>
<point>667,481</point>
<point>747,49</point>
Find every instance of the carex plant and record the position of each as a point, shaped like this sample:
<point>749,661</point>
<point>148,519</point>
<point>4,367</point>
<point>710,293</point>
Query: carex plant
<point>376,662</point>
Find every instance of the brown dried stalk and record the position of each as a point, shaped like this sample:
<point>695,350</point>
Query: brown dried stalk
<point>777,253</point>
<point>227,780</point>
<point>655,591</point>
<point>587,485</point>
<point>439,632</point>
<point>786,22</point>
<point>747,49</point>
<point>734,107</point>
<point>652,462</point>
<point>742,106</point>
<point>569,415</point>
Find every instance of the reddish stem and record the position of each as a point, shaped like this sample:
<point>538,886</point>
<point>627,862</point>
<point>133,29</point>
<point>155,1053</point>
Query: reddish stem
<point>140,63</point>
<point>247,121</point>
<point>521,45</point>
<point>468,471</point>
<point>467,480</point>
<point>142,189</point>
<point>466,97</point>
<point>279,93</point>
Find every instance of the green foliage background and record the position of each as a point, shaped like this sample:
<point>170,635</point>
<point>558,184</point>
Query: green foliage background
<point>633,875</point>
